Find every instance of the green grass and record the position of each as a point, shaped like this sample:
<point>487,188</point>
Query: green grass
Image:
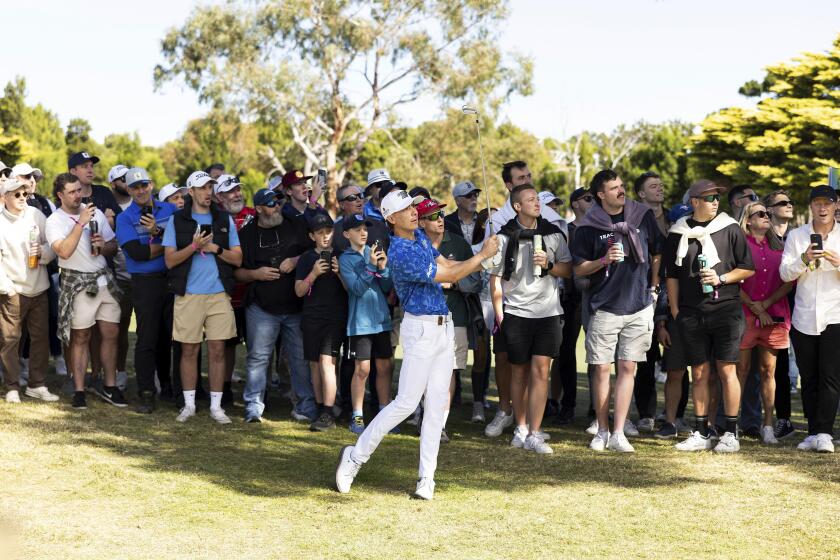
<point>108,483</point>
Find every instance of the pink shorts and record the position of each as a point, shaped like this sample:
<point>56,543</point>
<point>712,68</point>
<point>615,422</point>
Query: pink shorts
<point>773,336</point>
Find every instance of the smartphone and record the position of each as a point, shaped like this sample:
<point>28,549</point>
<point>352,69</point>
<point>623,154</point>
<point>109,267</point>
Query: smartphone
<point>778,319</point>
<point>326,256</point>
<point>275,262</point>
<point>147,211</point>
<point>206,229</point>
<point>816,239</point>
<point>86,200</point>
<point>322,176</point>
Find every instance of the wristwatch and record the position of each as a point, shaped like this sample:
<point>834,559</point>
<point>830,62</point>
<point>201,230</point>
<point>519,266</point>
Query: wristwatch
<point>722,279</point>
<point>219,250</point>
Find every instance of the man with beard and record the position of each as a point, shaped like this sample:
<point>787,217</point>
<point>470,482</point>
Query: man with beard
<point>117,179</point>
<point>272,245</point>
<point>228,195</point>
<point>201,251</point>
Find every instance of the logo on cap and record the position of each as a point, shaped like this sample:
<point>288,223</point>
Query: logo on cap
<point>138,175</point>
<point>298,174</point>
<point>85,155</point>
<point>402,194</point>
<point>358,217</point>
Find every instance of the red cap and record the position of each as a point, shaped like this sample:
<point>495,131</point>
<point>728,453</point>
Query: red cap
<point>428,206</point>
<point>294,176</point>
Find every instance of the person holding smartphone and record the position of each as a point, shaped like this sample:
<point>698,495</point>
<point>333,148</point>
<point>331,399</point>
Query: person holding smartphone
<point>765,304</point>
<point>812,258</point>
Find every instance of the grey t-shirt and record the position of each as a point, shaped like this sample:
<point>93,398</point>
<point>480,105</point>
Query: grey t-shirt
<point>526,294</point>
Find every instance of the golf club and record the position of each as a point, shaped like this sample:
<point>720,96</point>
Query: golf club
<point>469,110</point>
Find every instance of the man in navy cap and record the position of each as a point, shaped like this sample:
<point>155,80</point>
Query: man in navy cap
<point>81,165</point>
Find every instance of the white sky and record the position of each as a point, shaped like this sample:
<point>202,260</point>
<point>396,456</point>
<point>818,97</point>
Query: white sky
<point>598,63</point>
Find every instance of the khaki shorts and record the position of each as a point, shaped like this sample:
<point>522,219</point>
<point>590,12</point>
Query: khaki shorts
<point>613,337</point>
<point>462,347</point>
<point>87,310</point>
<point>210,315</point>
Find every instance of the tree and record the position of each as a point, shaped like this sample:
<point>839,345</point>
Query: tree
<point>792,135</point>
<point>335,71</point>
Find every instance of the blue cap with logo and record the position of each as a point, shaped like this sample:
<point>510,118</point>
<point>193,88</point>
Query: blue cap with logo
<point>265,197</point>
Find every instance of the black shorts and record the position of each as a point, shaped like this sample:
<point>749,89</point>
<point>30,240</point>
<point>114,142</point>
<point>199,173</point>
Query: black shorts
<point>321,338</point>
<point>673,359</point>
<point>371,346</point>
<point>241,333</point>
<point>532,337</point>
<point>717,333</point>
<point>499,345</point>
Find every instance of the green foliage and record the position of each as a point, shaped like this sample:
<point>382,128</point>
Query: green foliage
<point>789,139</point>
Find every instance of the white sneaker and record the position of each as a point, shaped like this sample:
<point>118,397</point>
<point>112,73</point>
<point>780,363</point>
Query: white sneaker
<point>808,444</point>
<point>599,441</point>
<point>592,430</point>
<point>498,424</point>
<point>185,414</point>
<point>346,470</point>
<point>12,397</point>
<point>630,429</point>
<point>646,425</point>
<point>425,488</point>
<point>122,380</point>
<point>519,435</point>
<point>541,434</point>
<point>728,443</point>
<point>219,416</point>
<point>767,435</point>
<point>824,444</point>
<point>535,443</point>
<point>40,393</point>
<point>695,442</point>
<point>60,365</point>
<point>618,442</point>
<point>478,413</point>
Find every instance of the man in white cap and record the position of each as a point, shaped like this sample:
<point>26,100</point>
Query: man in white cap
<point>116,178</point>
<point>30,176</point>
<point>462,221</point>
<point>376,179</point>
<point>173,194</point>
<point>201,251</point>
<point>548,198</point>
<point>24,283</point>
<point>427,338</point>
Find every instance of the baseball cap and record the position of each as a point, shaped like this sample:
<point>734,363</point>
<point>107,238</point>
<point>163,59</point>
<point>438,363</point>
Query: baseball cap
<point>116,172</point>
<point>9,185</point>
<point>428,206</point>
<point>464,188</point>
<point>263,196</point>
<point>547,198</point>
<point>378,175</point>
<point>396,201</point>
<point>226,183</point>
<point>823,191</point>
<point>169,190</point>
<point>399,185</point>
<point>702,186</point>
<point>416,191</point>
<point>321,221</point>
<point>25,169</point>
<point>294,176</point>
<point>678,212</point>
<point>578,193</point>
<point>4,167</point>
<point>136,175</point>
<point>79,158</point>
<point>275,181</point>
<point>356,220</point>
<point>198,179</point>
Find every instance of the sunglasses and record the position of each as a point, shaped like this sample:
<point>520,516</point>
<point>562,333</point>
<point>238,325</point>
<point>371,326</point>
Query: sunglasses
<point>752,197</point>
<point>783,203</point>
<point>27,177</point>
<point>19,194</point>
<point>351,198</point>
<point>760,214</point>
<point>473,194</point>
<point>585,198</point>
<point>709,198</point>
<point>435,216</point>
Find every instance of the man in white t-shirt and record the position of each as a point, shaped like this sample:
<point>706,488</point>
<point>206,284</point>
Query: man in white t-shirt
<point>89,294</point>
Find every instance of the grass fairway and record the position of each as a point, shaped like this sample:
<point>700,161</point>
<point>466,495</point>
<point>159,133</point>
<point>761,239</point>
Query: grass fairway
<point>108,483</point>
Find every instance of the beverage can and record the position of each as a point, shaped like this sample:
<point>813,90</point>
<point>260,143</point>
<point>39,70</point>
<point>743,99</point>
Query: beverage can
<point>620,246</point>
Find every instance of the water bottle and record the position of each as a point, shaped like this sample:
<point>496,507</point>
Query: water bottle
<point>34,259</point>
<point>538,247</point>
<point>704,265</point>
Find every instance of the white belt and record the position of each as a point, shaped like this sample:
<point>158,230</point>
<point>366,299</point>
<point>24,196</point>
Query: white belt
<point>435,319</point>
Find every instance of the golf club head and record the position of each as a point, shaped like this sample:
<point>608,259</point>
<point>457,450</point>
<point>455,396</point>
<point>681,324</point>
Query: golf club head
<point>469,110</point>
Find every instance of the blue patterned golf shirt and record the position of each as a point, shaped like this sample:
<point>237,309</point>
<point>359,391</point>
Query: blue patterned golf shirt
<point>413,269</point>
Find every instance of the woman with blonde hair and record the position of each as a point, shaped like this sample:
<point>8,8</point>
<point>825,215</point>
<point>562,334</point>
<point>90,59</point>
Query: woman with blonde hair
<point>766,308</point>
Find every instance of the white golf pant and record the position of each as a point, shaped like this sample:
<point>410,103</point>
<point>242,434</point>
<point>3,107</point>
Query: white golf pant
<point>428,354</point>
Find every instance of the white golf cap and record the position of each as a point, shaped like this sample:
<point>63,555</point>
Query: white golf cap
<point>9,185</point>
<point>198,179</point>
<point>548,197</point>
<point>397,200</point>
<point>169,190</point>
<point>116,172</point>
<point>378,175</point>
<point>25,169</point>
<point>4,167</point>
<point>226,183</point>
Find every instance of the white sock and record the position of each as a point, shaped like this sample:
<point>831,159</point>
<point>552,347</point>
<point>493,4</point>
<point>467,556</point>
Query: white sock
<point>189,399</point>
<point>215,400</point>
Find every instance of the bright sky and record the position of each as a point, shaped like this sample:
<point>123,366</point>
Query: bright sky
<point>597,63</point>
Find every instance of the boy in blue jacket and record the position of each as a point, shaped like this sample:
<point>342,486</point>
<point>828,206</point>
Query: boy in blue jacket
<point>368,280</point>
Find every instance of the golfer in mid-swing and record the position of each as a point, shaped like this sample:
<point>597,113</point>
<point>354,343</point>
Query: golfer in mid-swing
<point>427,338</point>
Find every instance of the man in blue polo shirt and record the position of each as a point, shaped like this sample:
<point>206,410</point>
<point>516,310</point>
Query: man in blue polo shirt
<point>427,338</point>
<point>140,234</point>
